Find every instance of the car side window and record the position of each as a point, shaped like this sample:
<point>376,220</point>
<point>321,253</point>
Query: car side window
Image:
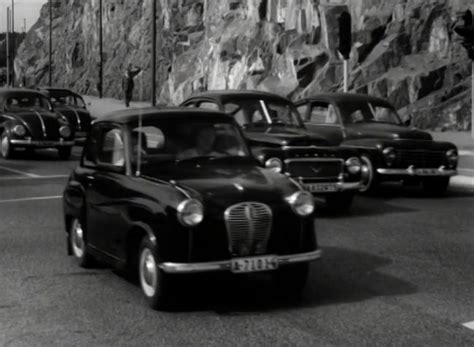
<point>209,105</point>
<point>322,113</point>
<point>112,148</point>
<point>303,110</point>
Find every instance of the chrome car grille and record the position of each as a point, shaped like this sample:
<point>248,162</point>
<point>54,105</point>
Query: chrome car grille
<point>420,158</point>
<point>329,169</point>
<point>248,228</point>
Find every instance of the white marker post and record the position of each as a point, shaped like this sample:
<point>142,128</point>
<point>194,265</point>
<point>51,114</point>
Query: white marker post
<point>346,75</point>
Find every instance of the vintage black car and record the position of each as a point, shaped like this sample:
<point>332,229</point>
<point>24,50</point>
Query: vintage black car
<point>28,120</point>
<point>280,141</point>
<point>72,106</point>
<point>390,149</point>
<point>176,191</point>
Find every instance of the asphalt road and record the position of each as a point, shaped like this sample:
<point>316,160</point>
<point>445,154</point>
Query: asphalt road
<point>398,270</point>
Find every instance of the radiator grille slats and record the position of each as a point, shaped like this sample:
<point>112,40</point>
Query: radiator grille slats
<point>420,158</point>
<point>327,169</point>
<point>248,228</point>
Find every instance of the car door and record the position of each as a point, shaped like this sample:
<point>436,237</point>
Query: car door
<point>323,119</point>
<point>106,192</point>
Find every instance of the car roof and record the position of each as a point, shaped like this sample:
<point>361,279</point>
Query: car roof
<point>4,92</point>
<point>345,97</point>
<point>233,93</point>
<point>148,113</point>
<point>58,90</point>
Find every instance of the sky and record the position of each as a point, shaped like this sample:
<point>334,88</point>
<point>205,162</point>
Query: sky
<point>29,9</point>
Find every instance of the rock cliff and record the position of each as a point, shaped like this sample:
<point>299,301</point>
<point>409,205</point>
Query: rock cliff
<point>404,50</point>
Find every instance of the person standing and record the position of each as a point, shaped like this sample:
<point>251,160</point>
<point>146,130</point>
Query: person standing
<point>128,84</point>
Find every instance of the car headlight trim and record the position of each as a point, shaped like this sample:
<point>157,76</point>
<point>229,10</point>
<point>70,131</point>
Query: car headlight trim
<point>274,164</point>
<point>65,131</point>
<point>302,203</point>
<point>190,212</point>
<point>390,155</point>
<point>354,165</point>
<point>19,130</point>
<point>452,156</point>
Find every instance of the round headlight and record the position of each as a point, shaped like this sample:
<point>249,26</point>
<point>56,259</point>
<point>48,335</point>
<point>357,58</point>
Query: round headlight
<point>190,212</point>
<point>390,155</point>
<point>302,203</point>
<point>65,131</point>
<point>19,130</point>
<point>274,164</point>
<point>452,157</point>
<point>353,165</point>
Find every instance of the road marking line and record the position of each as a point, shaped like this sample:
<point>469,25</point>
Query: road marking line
<point>469,325</point>
<point>24,173</point>
<point>462,181</point>
<point>32,199</point>
<point>9,178</point>
<point>461,169</point>
<point>466,153</point>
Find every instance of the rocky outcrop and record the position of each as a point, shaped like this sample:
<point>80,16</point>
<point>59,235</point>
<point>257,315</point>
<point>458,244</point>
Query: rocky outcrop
<point>404,50</point>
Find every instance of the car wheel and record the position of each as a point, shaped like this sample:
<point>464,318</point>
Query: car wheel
<point>369,175</point>
<point>291,279</point>
<point>78,245</point>
<point>153,281</point>
<point>64,153</point>
<point>340,202</point>
<point>5,146</point>
<point>435,185</point>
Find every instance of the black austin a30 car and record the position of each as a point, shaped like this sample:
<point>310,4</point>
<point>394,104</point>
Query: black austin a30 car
<point>280,141</point>
<point>390,149</point>
<point>28,120</point>
<point>176,191</point>
<point>72,106</point>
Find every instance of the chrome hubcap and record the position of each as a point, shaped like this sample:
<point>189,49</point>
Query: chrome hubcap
<point>77,238</point>
<point>4,145</point>
<point>148,272</point>
<point>367,174</point>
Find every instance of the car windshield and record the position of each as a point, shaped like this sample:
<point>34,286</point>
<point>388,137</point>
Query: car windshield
<point>257,112</point>
<point>167,141</point>
<point>28,101</point>
<point>67,100</point>
<point>366,112</point>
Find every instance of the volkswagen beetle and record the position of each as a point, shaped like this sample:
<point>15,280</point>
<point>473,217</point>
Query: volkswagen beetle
<point>390,149</point>
<point>72,106</point>
<point>279,139</point>
<point>176,191</point>
<point>28,120</point>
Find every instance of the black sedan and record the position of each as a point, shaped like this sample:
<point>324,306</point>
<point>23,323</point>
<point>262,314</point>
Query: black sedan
<point>72,106</point>
<point>28,120</point>
<point>176,191</point>
<point>280,141</point>
<point>390,149</point>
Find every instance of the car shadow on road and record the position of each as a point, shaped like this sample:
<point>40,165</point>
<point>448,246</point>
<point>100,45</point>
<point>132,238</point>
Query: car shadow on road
<point>396,191</point>
<point>342,276</point>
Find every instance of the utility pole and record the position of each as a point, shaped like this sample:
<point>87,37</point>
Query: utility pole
<point>101,72</point>
<point>13,44</point>
<point>8,46</point>
<point>153,54</point>
<point>50,43</point>
<point>24,25</point>
<point>345,44</point>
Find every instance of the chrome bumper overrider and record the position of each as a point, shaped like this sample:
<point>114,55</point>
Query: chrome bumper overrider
<point>412,171</point>
<point>343,186</point>
<point>225,265</point>
<point>41,143</point>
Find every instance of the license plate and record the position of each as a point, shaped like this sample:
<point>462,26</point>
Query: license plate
<point>47,143</point>
<point>427,172</point>
<point>321,187</point>
<point>254,264</point>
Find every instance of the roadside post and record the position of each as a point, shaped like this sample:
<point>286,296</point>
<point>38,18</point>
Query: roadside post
<point>467,32</point>
<point>8,46</point>
<point>345,44</point>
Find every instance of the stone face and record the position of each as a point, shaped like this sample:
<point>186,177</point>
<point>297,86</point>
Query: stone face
<point>404,50</point>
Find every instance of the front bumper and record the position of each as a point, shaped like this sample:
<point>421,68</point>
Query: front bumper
<point>45,144</point>
<point>225,265</point>
<point>418,172</point>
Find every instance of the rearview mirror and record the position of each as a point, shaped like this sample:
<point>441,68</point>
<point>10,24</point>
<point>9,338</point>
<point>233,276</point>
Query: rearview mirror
<point>407,122</point>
